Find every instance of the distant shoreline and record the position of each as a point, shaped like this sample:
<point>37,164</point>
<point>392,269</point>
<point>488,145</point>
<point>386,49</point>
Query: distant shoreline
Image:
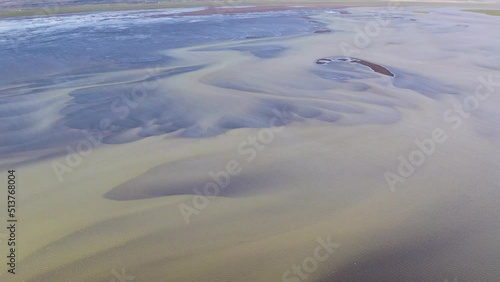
<point>223,10</point>
<point>51,9</point>
<point>72,9</point>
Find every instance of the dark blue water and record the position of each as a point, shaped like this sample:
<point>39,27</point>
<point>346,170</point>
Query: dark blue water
<point>74,44</point>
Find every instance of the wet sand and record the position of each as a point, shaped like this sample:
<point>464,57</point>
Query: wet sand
<point>341,126</point>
